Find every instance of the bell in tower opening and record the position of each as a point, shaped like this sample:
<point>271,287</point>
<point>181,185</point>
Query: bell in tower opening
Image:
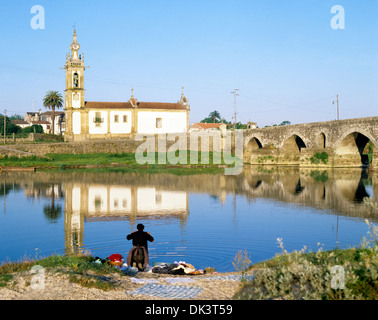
<point>75,80</point>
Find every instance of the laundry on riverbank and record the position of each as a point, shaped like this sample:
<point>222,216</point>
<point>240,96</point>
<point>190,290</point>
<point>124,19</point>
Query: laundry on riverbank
<point>167,291</point>
<point>179,280</point>
<point>116,259</point>
<point>178,268</point>
<point>137,280</point>
<point>175,268</point>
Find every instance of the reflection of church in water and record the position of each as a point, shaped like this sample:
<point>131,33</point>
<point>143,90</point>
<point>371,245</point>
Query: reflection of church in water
<point>98,202</point>
<point>91,197</point>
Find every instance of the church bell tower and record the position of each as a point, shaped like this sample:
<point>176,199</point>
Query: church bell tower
<point>74,66</point>
<point>75,93</point>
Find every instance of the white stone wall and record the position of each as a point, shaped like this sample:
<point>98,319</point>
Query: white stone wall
<point>76,102</point>
<point>172,122</point>
<point>120,126</point>
<point>102,128</point>
<point>76,122</point>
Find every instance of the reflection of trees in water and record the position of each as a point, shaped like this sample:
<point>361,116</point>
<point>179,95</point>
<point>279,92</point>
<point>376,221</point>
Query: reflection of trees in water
<point>53,211</point>
<point>6,188</point>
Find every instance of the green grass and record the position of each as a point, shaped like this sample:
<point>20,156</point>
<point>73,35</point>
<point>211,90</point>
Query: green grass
<point>80,268</point>
<point>5,279</point>
<point>120,162</point>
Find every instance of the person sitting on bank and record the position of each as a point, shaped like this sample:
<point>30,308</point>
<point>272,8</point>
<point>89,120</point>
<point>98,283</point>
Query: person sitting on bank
<point>138,255</point>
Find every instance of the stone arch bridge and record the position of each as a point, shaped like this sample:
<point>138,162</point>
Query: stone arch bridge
<point>342,143</point>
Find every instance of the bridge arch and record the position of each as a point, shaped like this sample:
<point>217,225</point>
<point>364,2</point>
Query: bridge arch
<point>254,144</point>
<point>251,145</point>
<point>321,140</point>
<point>293,144</point>
<point>354,145</point>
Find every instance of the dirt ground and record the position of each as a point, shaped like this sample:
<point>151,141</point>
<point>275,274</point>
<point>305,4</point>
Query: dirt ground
<point>58,287</point>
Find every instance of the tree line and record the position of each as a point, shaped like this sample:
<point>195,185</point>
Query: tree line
<point>52,100</point>
<point>215,117</point>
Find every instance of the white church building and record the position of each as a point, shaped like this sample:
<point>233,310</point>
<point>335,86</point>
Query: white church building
<point>86,120</point>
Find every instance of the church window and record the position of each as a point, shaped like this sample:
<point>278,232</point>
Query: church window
<point>159,122</point>
<point>98,120</point>
<point>116,118</point>
<point>125,119</point>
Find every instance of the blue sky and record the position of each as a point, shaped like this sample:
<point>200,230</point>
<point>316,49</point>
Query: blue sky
<point>283,55</point>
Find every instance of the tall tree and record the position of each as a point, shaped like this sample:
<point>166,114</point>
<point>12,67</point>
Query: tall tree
<point>16,117</point>
<point>9,126</point>
<point>52,100</point>
<point>215,115</point>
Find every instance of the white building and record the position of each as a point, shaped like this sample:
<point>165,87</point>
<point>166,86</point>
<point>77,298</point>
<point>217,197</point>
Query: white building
<point>59,121</point>
<point>103,120</point>
<point>45,120</point>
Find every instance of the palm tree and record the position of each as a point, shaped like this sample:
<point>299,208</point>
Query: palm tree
<point>215,115</point>
<point>52,100</point>
<point>53,211</point>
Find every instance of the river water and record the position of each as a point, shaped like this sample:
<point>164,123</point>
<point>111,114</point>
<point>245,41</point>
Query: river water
<point>201,219</point>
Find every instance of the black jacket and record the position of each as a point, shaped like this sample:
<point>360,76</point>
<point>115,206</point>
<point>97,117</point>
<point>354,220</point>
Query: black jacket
<point>140,238</point>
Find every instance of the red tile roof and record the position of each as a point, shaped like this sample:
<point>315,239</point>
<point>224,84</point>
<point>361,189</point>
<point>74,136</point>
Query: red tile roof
<point>40,122</point>
<point>19,122</point>
<point>49,113</point>
<point>160,105</point>
<point>106,105</point>
<point>140,105</point>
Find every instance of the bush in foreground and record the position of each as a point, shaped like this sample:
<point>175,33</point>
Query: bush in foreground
<point>349,274</point>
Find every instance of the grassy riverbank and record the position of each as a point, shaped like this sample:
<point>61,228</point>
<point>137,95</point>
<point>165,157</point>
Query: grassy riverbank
<point>348,274</point>
<point>125,162</point>
<point>80,268</point>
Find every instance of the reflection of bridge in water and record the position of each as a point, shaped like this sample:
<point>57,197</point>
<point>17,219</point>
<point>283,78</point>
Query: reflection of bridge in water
<point>91,197</point>
<point>341,191</point>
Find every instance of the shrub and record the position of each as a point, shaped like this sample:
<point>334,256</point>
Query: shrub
<point>319,176</point>
<point>38,129</point>
<point>319,157</point>
<point>310,276</point>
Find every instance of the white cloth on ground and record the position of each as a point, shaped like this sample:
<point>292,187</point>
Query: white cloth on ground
<point>179,280</point>
<point>137,280</point>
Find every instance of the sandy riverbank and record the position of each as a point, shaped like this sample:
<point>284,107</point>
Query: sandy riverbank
<point>58,287</point>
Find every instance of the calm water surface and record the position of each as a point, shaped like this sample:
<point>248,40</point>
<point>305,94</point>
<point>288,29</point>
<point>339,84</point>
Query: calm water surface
<point>200,219</point>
